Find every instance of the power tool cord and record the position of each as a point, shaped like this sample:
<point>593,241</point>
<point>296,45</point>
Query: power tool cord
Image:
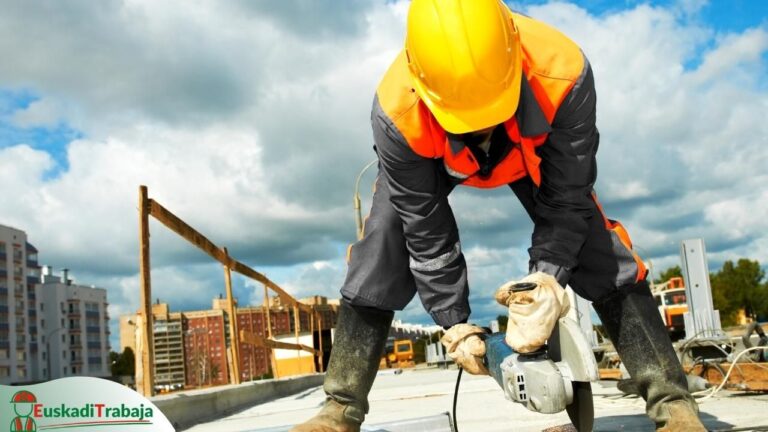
<point>455,398</point>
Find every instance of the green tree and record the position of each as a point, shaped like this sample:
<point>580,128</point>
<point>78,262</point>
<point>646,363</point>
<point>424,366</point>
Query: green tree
<point>123,364</point>
<point>503,321</point>
<point>668,274</point>
<point>739,287</point>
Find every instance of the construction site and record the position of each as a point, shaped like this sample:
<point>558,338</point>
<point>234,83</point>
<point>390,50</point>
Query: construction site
<point>269,376</point>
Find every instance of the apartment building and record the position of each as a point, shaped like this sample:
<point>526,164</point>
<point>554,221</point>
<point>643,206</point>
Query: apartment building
<point>74,324</point>
<point>20,353</point>
<point>205,357</point>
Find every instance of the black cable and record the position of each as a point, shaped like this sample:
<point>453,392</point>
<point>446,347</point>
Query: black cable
<point>455,397</point>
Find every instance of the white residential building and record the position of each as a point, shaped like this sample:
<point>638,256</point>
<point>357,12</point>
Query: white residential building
<point>74,327</point>
<point>20,350</point>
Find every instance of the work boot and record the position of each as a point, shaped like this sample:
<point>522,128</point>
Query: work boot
<point>632,320</point>
<point>681,418</point>
<point>361,334</point>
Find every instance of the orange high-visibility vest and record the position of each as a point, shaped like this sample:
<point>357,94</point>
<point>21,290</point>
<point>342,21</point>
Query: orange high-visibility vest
<point>552,65</point>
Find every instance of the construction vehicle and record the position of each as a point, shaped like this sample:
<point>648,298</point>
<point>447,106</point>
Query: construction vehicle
<point>397,354</point>
<point>671,300</point>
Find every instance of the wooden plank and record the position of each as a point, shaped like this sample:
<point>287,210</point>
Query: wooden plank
<point>263,342</point>
<point>181,228</point>
<point>175,224</point>
<point>610,374</point>
<point>233,342</point>
<point>286,298</point>
<point>146,383</point>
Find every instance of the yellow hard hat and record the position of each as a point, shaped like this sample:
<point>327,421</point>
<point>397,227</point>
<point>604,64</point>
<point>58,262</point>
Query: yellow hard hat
<point>465,60</point>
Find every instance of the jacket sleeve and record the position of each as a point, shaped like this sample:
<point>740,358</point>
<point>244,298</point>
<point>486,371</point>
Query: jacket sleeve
<point>563,202</point>
<point>419,189</point>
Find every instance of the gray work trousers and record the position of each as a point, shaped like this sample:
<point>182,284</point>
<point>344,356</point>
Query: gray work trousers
<point>379,274</point>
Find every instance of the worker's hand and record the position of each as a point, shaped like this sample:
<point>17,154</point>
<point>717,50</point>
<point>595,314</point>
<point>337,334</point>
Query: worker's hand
<point>532,314</point>
<point>465,347</point>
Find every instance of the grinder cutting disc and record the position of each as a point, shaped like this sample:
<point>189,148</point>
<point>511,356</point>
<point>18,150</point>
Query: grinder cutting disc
<point>581,411</point>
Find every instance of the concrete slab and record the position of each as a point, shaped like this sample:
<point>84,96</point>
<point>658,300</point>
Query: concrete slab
<point>481,407</point>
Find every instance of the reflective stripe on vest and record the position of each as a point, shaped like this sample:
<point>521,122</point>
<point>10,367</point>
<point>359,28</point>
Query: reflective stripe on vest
<point>551,63</point>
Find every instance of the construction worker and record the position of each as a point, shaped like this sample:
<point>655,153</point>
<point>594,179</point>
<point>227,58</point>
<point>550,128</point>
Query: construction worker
<point>485,97</point>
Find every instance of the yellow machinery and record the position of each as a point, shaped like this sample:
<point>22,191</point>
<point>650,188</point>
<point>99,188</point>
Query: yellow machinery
<point>670,297</point>
<point>398,354</point>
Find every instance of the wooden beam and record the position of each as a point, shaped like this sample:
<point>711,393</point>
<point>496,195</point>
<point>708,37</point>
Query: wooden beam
<point>146,385</point>
<point>256,340</point>
<point>175,224</point>
<point>234,342</point>
<point>285,298</point>
<point>610,374</point>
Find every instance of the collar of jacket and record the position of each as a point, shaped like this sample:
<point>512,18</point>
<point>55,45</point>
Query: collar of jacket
<point>529,115</point>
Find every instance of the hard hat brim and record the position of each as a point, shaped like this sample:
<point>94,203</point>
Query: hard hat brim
<point>458,121</point>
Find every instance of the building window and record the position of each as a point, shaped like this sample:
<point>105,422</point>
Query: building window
<point>21,372</point>
<point>64,369</point>
<point>5,371</point>
<point>3,353</point>
<point>42,307</point>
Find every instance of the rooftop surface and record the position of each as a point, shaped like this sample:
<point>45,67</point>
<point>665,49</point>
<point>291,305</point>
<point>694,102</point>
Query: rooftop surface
<point>424,392</point>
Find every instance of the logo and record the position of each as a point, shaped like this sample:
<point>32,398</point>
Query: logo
<point>23,402</point>
<point>79,404</point>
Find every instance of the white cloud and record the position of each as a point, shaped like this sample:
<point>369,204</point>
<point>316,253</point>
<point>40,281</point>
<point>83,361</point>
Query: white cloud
<point>252,127</point>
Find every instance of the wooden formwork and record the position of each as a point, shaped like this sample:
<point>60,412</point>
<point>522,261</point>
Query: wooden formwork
<point>144,371</point>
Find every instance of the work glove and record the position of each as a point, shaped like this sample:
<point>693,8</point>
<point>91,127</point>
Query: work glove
<point>534,313</point>
<point>464,346</point>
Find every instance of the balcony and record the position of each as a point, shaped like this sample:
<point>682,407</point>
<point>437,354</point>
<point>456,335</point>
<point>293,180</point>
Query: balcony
<point>3,256</point>
<point>76,360</point>
<point>96,345</point>
<point>92,314</point>
<point>4,326</point>
<point>4,308</point>
<point>18,292</point>
<point>93,329</point>
<point>31,294</point>
<point>75,330</point>
<point>33,279</point>
<point>32,313</point>
<point>73,314</point>
<point>77,344</point>
<point>33,330</point>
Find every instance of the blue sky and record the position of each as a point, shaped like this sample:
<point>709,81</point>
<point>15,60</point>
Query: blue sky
<point>251,121</point>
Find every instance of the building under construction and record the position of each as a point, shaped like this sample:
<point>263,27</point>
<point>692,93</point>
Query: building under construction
<point>192,347</point>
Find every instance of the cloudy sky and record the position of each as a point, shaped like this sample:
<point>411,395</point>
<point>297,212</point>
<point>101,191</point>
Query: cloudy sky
<point>249,119</point>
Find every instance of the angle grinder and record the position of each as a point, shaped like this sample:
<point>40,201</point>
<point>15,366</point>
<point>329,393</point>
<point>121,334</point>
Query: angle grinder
<point>557,377</point>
